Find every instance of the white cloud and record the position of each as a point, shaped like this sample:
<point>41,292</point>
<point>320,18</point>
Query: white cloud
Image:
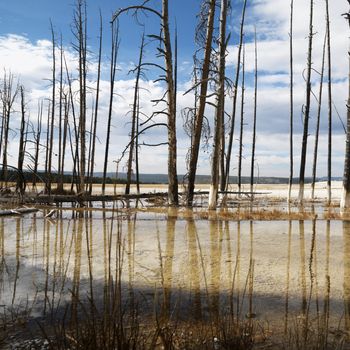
<point>31,62</point>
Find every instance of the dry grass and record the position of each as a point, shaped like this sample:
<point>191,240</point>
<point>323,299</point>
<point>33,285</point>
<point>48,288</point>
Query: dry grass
<point>243,213</point>
<point>157,334</point>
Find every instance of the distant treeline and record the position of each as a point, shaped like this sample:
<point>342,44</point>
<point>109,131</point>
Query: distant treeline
<point>144,178</point>
<point>29,177</point>
<point>205,179</point>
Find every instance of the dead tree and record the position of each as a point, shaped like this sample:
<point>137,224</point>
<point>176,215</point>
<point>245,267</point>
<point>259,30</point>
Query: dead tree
<point>220,109</point>
<point>60,118</point>
<point>329,83</point>
<point>134,120</point>
<point>37,138</point>
<point>8,96</point>
<point>164,51</point>
<point>20,186</point>
<point>234,103</point>
<point>171,102</point>
<point>113,68</point>
<point>95,119</point>
<point>314,164</point>
<point>306,108</point>
<point>47,148</point>
<point>64,136</point>
<point>74,151</point>
<point>345,199</point>
<point>89,179</point>
<point>80,46</point>
<point>137,170</point>
<point>240,150</point>
<point>208,14</point>
<point>254,113</point>
<point>291,103</point>
<point>52,118</point>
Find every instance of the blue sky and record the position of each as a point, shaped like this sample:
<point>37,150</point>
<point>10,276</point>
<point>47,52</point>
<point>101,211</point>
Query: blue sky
<point>25,50</point>
<point>31,18</point>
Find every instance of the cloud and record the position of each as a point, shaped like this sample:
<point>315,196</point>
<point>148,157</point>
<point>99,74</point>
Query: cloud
<point>271,20</point>
<point>31,62</point>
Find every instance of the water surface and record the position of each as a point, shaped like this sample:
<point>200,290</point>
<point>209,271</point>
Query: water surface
<point>272,271</point>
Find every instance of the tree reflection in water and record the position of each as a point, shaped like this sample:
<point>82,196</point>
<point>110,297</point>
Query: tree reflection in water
<point>131,265</point>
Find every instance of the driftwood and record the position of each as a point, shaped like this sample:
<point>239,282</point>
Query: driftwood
<point>91,198</point>
<point>85,198</point>
<point>118,197</point>
<point>17,211</point>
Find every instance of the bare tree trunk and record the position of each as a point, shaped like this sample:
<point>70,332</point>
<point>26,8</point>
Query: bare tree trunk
<point>137,146</point>
<point>345,199</point>
<point>170,93</point>
<point>114,53</point>
<point>75,153</point>
<point>291,99</point>
<point>234,103</point>
<point>21,147</point>
<point>307,109</point>
<point>240,153</point>
<point>171,100</point>
<point>53,98</point>
<point>93,149</point>
<point>37,143</point>
<point>64,140</point>
<point>89,179</point>
<point>134,120</point>
<point>329,162</point>
<point>223,45</point>
<point>8,95</point>
<point>314,164</point>
<point>3,119</point>
<point>47,147</point>
<point>81,35</point>
<point>60,170</point>
<point>198,123</point>
<point>220,110</point>
<point>254,115</point>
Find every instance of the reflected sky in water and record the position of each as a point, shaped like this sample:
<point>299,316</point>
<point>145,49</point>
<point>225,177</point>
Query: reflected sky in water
<point>267,270</point>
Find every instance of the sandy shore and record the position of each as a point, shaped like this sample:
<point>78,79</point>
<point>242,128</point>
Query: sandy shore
<point>269,190</point>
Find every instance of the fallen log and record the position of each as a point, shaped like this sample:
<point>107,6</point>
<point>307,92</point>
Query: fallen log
<point>91,198</point>
<point>17,211</point>
<point>56,198</point>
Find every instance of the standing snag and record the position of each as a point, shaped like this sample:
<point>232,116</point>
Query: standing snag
<point>50,135</point>
<point>113,68</point>
<point>240,151</point>
<point>291,103</point>
<point>306,108</point>
<point>8,94</point>
<point>94,128</point>
<point>254,113</point>
<point>329,83</point>
<point>164,51</point>
<point>198,121</point>
<point>235,93</point>
<point>345,199</point>
<point>220,110</point>
<point>171,102</point>
<point>314,164</point>
<point>134,120</point>
<point>21,184</point>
